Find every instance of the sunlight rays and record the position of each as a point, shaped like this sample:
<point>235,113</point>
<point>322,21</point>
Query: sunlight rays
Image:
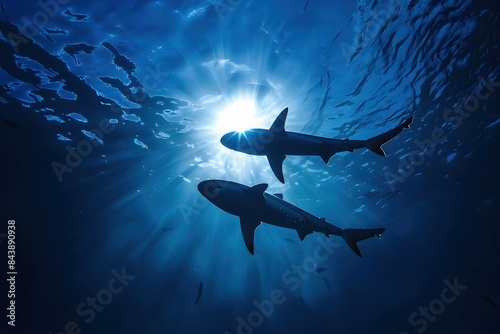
<point>238,116</point>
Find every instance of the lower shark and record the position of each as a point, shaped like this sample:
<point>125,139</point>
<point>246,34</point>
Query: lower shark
<point>255,206</point>
<point>276,143</point>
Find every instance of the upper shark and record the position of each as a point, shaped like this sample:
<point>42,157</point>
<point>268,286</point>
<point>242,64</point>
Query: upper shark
<point>254,206</point>
<point>276,143</point>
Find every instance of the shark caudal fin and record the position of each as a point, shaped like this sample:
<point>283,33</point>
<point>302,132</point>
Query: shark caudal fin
<point>352,236</point>
<point>375,144</point>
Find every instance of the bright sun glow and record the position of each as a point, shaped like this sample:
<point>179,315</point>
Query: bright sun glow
<point>239,116</point>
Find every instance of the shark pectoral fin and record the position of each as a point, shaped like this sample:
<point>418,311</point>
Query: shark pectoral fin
<point>278,127</point>
<point>326,152</point>
<point>302,234</point>
<point>276,162</point>
<point>326,157</point>
<point>280,196</point>
<point>248,226</point>
<point>256,193</point>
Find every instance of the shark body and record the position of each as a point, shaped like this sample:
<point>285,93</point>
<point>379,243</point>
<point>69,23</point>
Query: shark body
<point>276,143</point>
<point>255,206</point>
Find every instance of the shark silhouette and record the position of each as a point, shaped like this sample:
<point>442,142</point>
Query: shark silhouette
<point>254,206</point>
<point>276,143</point>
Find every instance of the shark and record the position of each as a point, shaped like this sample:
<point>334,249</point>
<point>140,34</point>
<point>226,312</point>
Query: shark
<point>276,143</point>
<point>254,206</point>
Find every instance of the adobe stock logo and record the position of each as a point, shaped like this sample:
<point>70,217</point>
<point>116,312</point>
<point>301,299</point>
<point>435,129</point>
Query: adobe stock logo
<point>84,148</point>
<point>436,306</point>
<point>456,116</point>
<point>292,278</point>
<point>364,37</point>
<point>30,28</point>
<point>98,303</point>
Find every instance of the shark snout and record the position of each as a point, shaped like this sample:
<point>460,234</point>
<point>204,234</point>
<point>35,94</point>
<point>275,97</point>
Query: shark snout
<point>201,186</point>
<point>209,188</point>
<point>226,139</point>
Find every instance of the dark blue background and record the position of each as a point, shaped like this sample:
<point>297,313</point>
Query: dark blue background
<point>344,69</point>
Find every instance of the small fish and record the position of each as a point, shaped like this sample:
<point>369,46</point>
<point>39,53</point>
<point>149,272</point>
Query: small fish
<point>290,240</point>
<point>326,283</point>
<point>9,123</point>
<point>3,8</point>
<point>391,194</point>
<point>55,31</point>
<point>307,3</point>
<point>319,270</point>
<point>371,193</point>
<point>491,302</point>
<point>167,229</point>
<point>48,37</point>
<point>200,290</point>
<point>77,17</point>
<point>343,104</point>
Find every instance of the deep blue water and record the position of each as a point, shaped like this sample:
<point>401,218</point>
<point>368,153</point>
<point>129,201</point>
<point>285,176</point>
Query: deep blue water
<point>145,90</point>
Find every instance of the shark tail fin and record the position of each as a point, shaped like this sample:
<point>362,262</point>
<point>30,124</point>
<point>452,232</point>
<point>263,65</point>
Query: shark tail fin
<point>352,236</point>
<point>375,144</point>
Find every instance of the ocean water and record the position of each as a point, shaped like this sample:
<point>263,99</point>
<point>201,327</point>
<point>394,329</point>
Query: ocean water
<point>111,114</point>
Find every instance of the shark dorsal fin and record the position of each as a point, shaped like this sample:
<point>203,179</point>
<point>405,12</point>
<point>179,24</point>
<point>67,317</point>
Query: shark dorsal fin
<point>248,226</point>
<point>280,196</point>
<point>278,127</point>
<point>257,192</point>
